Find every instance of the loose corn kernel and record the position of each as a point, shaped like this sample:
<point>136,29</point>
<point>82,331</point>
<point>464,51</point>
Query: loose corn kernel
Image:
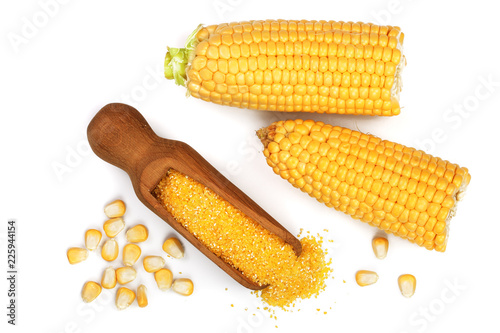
<point>125,274</point>
<point>380,246</point>
<point>366,278</point>
<point>259,254</point>
<point>108,280</point>
<point>164,278</point>
<point>131,253</point>
<point>173,247</point>
<point>398,189</point>
<point>112,227</point>
<point>92,239</point>
<point>142,297</point>
<point>407,284</point>
<point>115,209</point>
<point>90,291</point>
<point>109,251</point>
<point>153,263</point>
<point>183,287</point>
<point>124,297</point>
<point>76,255</point>
<point>137,234</point>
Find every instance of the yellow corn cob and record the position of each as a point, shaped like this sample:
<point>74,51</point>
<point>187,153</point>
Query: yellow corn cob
<point>398,189</point>
<point>280,65</point>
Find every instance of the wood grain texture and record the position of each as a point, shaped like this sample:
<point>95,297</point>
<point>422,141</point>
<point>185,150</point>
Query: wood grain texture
<point>120,135</point>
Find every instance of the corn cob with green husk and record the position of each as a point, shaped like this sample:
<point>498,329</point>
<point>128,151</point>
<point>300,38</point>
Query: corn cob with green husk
<point>280,65</point>
<point>398,189</point>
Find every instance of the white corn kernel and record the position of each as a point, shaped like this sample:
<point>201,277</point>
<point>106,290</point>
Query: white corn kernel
<point>76,255</point>
<point>138,233</point>
<point>90,291</point>
<point>124,297</point>
<point>366,278</point>
<point>163,279</point>
<point>113,227</point>
<point>142,297</point>
<point>131,254</point>
<point>407,284</point>
<point>115,209</point>
<point>109,251</point>
<point>380,246</point>
<point>173,247</point>
<point>125,274</point>
<point>92,239</point>
<point>153,263</point>
<point>108,280</point>
<point>183,286</point>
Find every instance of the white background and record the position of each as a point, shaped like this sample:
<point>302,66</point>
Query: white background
<point>86,54</point>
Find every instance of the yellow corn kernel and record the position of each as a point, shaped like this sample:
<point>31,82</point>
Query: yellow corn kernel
<point>90,291</point>
<point>142,297</point>
<point>115,209</point>
<point>183,286</point>
<point>92,239</point>
<point>131,253</point>
<point>407,284</point>
<point>395,188</point>
<point>137,234</point>
<point>380,246</point>
<point>173,247</point>
<point>125,274</point>
<point>366,278</point>
<point>164,278</point>
<point>76,255</point>
<point>109,251</point>
<point>124,298</point>
<point>112,227</point>
<point>108,280</point>
<point>153,263</point>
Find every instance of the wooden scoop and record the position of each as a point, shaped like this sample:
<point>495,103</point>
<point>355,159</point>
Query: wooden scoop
<point>120,135</point>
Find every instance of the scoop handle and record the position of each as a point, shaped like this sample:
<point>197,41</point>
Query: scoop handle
<point>120,135</point>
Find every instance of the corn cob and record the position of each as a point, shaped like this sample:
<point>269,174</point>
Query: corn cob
<point>280,65</point>
<point>398,189</point>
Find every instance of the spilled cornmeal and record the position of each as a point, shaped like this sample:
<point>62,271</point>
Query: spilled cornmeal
<point>260,255</point>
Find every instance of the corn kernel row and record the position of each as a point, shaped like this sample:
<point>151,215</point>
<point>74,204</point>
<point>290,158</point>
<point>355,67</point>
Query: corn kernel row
<point>297,25</point>
<point>302,52</point>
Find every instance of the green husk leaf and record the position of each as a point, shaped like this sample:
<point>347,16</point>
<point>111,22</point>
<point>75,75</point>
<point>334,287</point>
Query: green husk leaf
<point>177,59</point>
